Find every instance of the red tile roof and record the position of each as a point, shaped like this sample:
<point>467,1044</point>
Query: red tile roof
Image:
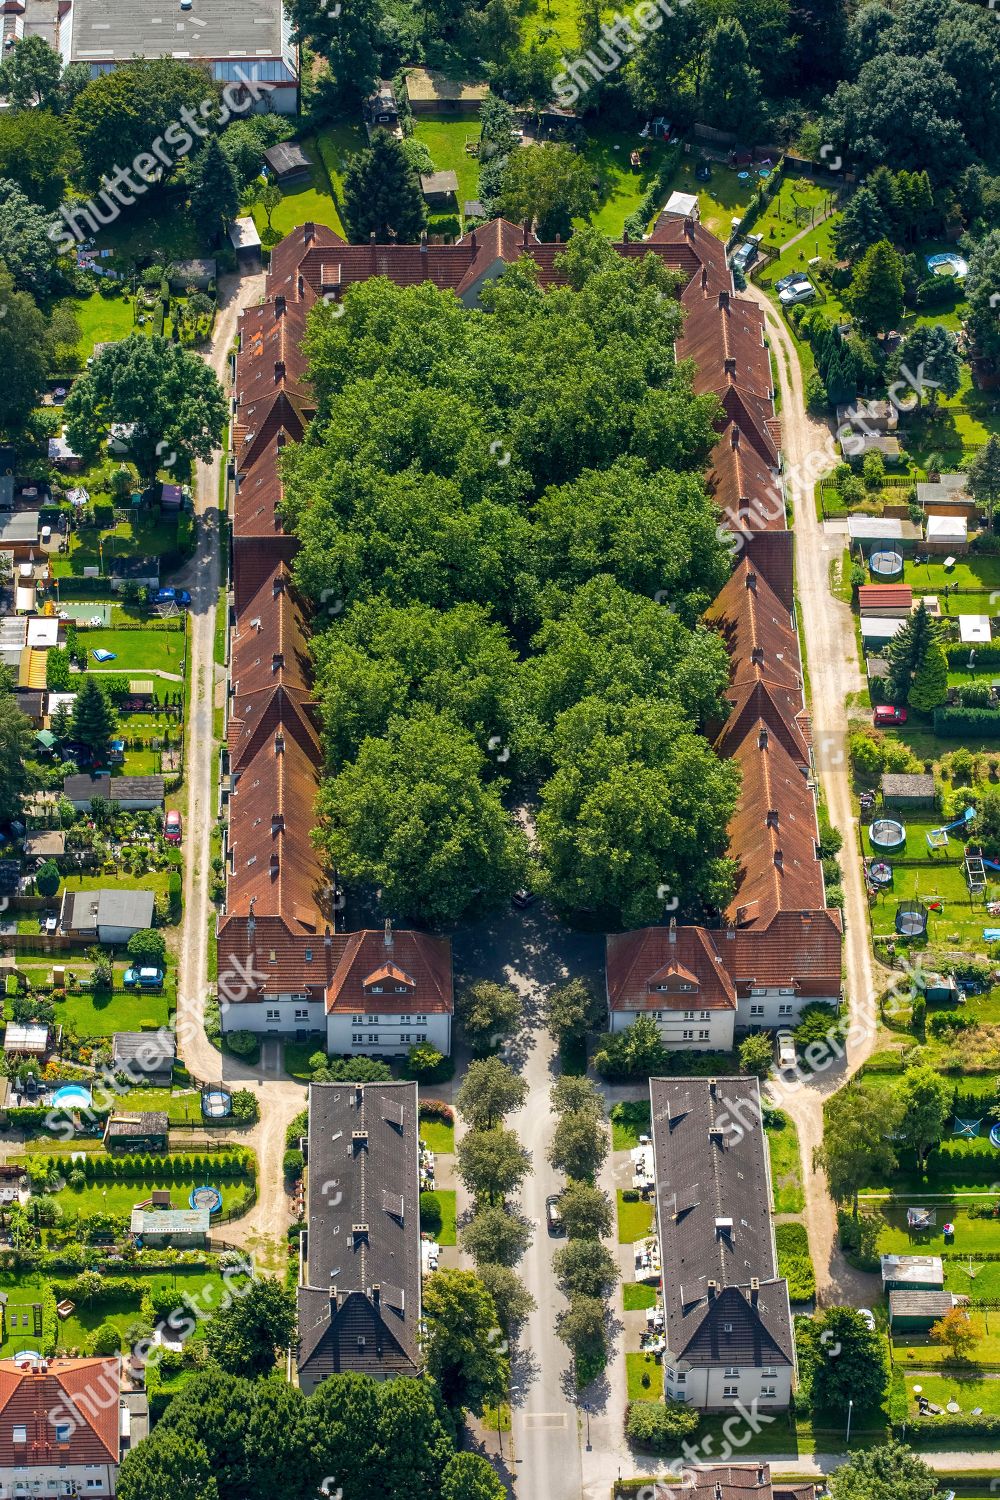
<point>885,596</point>
<point>391,971</point>
<point>660,968</point>
<point>81,1392</point>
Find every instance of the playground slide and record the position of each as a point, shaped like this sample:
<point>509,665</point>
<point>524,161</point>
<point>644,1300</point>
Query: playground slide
<point>967,817</point>
<point>991,864</point>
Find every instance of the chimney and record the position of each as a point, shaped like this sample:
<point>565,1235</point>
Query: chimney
<point>625,239</point>
<point>302,286</point>
<point>731,933</point>
<point>279,305</point>
<point>423,241</point>
<point>525,231</point>
<point>672,933</point>
<point>327,938</point>
<point>279,742</point>
<point>751,580</point>
<point>713,1287</point>
<point>274,866</point>
<point>558,239</point>
<point>718,1490</point>
<point>760,1474</point>
<point>371,238</point>
<point>754,1294</point>
<point>277,585</point>
<point>308,232</point>
<point>359,1096</point>
<point>734,435</point>
<point>772,817</point>
<point>724,300</point>
<point>472,239</point>
<point>279,371</point>
<point>704,277</point>
<point>376,1296</point>
<point>779,859</point>
<point>277,823</point>
<point>762,738</point>
<point>277,660</point>
<point>387,935</point>
<point>729,366</point>
<point>689,227</point>
<point>333,1298</point>
<point>281,439</point>
<point>712,1086</point>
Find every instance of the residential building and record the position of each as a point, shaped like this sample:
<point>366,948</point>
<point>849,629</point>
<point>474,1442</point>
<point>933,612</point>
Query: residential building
<point>109,916</point>
<point>146,1056</point>
<point>727,1319</point>
<point>247,47</point>
<point>731,1482</point>
<point>60,1427</point>
<point>359,1295</point>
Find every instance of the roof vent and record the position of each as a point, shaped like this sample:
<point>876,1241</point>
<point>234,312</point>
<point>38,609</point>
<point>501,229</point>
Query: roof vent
<point>762,738</point>
<point>724,300</point>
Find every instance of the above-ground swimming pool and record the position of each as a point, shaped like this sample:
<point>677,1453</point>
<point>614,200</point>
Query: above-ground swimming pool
<point>995,1135</point>
<point>72,1096</point>
<point>949,264</point>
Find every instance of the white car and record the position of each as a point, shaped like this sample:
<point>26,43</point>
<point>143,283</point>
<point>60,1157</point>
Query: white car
<point>869,1317</point>
<point>786,1050</point>
<point>799,291</point>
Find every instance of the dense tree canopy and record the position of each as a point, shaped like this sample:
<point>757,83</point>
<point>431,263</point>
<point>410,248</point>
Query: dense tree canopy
<point>119,115</point>
<point>504,527</point>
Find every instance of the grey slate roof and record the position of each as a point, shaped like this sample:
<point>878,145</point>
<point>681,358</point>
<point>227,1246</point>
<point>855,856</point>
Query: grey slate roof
<point>19,526</point>
<point>713,1193</point>
<point>83,788</point>
<point>907,784</point>
<point>359,1308</point>
<point>104,29</point>
<point>142,1123</point>
<point>86,911</point>
<point>919,1304</point>
<point>144,1051</point>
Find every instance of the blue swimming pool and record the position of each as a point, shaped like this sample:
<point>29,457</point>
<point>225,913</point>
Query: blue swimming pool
<point>72,1096</point>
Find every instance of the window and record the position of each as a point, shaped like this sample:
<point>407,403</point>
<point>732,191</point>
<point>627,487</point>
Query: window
<point>670,1376</point>
<point>768,1392</point>
<point>272,1014</point>
<point>687,1036</point>
<point>657,1015</point>
<point>768,1374</point>
<point>372,1020</point>
<point>785,1010</point>
<point>681,1377</point>
<point>757,990</point>
<point>689,1015</point>
<point>404,1020</point>
<point>703,1036</point>
<point>706,1015</point>
<point>309,955</point>
<point>756,1010</point>
<point>373,1037</point>
<point>730,1392</point>
<point>20,1434</point>
<point>787,989</point>
<point>732,1371</point>
<point>376,989</point>
<point>62,1432</point>
<point>419,1019</point>
<point>404,1036</point>
<point>301,1013</point>
<point>727,1327</point>
<point>357,1038</point>
<point>356,1020</point>
<point>421,1036</point>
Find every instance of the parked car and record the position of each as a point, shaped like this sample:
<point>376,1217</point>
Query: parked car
<point>887,713</point>
<point>523,898</point>
<point>869,1317</point>
<point>553,1217</point>
<point>745,256</point>
<point>50,922</point>
<point>779,286</point>
<point>786,1050</point>
<point>172,596</point>
<point>143,979</point>
<point>799,291</point>
<point>172,828</point>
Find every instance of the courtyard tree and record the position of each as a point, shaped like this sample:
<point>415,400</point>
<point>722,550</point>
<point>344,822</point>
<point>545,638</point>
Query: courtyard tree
<point>548,186</point>
<point>842,1359</point>
<point>930,355</point>
<point>929,688</point>
<point>466,1351</point>
<point>147,947</point>
<point>858,1130</point>
<point>167,397</point>
<point>924,1101</point>
<point>757,1054</point>
<point>47,879</point>
<point>957,1331</point>
<point>16,778</point>
<point>259,1323</point>
<point>877,288</point>
<point>30,74</point>
<point>213,191</point>
<point>731,87</point>
<point>382,193</point>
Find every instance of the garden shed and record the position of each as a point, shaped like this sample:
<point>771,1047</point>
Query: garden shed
<point>914,1273</point>
<point>143,1130</point>
<point>909,791</point>
<point>287,162</point>
<point>174,1228</point>
<point>975,630</point>
<point>878,630</point>
<point>947,534</point>
<point>915,1311</point>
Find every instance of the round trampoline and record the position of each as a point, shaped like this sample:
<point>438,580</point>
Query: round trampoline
<point>887,833</point>
<point>72,1096</point>
<point>886,564</point>
<point>206,1197</point>
<point>949,264</point>
<point>911,919</point>
<point>216,1103</point>
<point>26,1356</point>
<point>879,872</point>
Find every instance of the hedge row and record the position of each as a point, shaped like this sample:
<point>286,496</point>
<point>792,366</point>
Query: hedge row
<point>128,1168</point>
<point>957,653</point>
<point>956,723</point>
<point>437,1109</point>
<point>954,1427</point>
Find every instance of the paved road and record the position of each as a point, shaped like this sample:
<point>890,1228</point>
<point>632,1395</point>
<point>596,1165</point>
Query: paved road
<point>262,1229</point>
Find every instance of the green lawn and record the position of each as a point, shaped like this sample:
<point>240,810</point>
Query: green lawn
<point>180,1105</point>
<point>551,21</point>
<point>916,1351</point>
<point>629,1120</point>
<point>645,1377</point>
<point>303,201</point>
<point>635,1220</point>
<point>972,573</point>
<point>971,1235</point>
<point>984,1282</point>
<point>136,650</point>
<point>438,1136</point>
<point>786,1166</point>
<point>297,1055</point>
<point>203,1286</point>
<point>151,227</point>
<point>620,186</point>
<point>931,883</point>
<point>447,1202</point>
<point>122,1197</point>
<point>445,139</point>
<point>142,536</point>
<point>720,200</point>
<point>101,1015</point>
<point>797,202</point>
<point>102,320</point>
<point>636,1295</point>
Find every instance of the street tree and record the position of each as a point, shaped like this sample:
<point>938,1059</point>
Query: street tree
<point>495,1234</point>
<point>924,1100</point>
<point>884,1473</point>
<point>586,1268</point>
<point>468,1476</point>
<point>466,1351</point>
<point>581,1326</point>
<point>858,1130</point>
<point>511,1297</point>
<point>579,1145</point>
<point>548,186</point>
<point>490,1090</point>
<point>259,1323</point>
<point>572,1092</point>
<point>492,1163</point>
<point>585,1211</point>
<point>168,398</point>
<point>488,1014</point>
<point>572,1010</point>
<point>382,194</point>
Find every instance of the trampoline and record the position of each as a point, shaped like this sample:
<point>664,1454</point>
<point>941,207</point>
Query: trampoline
<point>921,1218</point>
<point>216,1103</point>
<point>949,264</point>
<point>886,564</point>
<point>879,872</point>
<point>887,833</point>
<point>911,919</point>
<point>206,1197</point>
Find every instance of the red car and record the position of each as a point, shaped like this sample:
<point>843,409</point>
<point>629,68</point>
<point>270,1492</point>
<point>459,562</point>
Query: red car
<point>886,714</point>
<point>172,828</point>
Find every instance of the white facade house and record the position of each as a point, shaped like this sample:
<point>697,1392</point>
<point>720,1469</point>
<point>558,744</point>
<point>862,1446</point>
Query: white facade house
<point>64,1424</point>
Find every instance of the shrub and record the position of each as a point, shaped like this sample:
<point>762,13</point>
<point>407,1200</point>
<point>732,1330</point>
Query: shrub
<point>106,1340</point>
<point>47,879</point>
<point>354,1070</point>
<point>437,1109</point>
<point>867,754</point>
<point>859,1239</point>
<point>241,1043</point>
<point>292,1164</point>
<point>430,1214</point>
<point>957,723</point>
<point>659,1428</point>
<point>246,1108</point>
